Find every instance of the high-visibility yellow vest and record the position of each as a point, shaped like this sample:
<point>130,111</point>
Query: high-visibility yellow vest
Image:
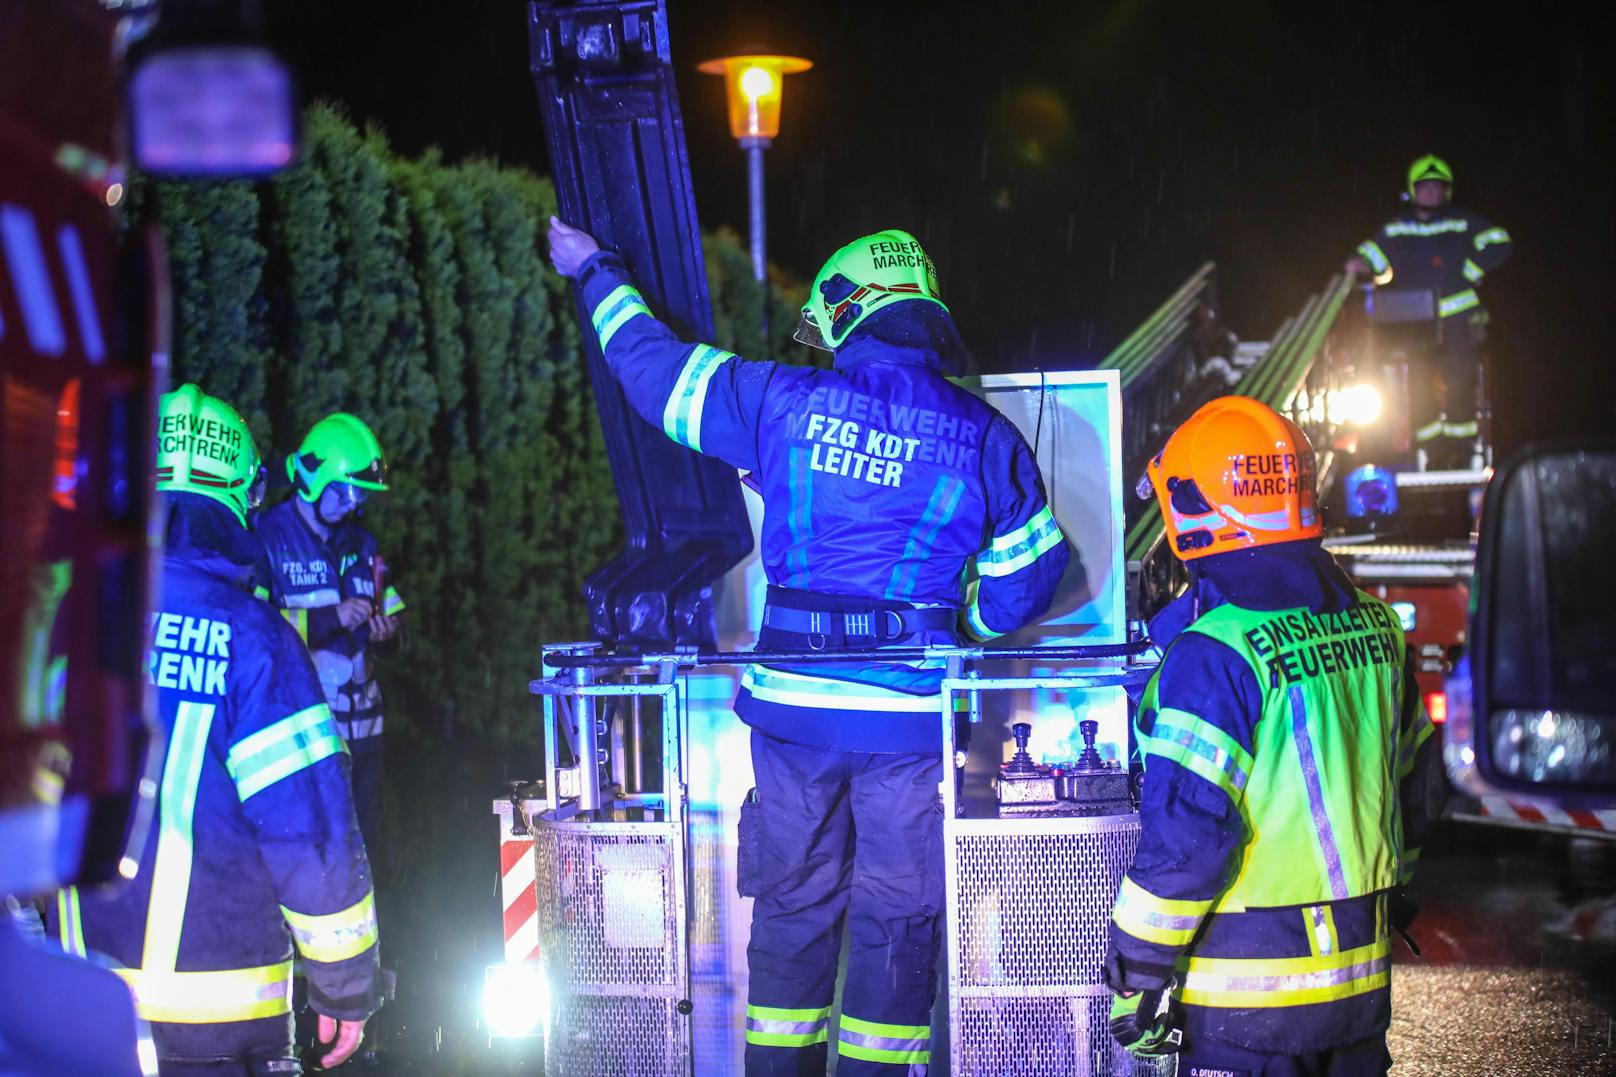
<point>1318,790</point>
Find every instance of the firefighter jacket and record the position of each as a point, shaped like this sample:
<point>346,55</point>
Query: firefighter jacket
<point>885,487</point>
<point>255,848</point>
<point>307,577</point>
<point>1448,254</point>
<point>1290,776</point>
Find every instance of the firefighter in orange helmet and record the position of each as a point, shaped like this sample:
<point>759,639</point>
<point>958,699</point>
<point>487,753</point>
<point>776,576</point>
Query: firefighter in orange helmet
<point>1290,775</point>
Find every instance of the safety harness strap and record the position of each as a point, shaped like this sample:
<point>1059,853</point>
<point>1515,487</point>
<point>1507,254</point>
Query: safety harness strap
<point>878,625</point>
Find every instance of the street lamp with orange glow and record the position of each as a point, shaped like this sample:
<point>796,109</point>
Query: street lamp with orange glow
<point>752,85</point>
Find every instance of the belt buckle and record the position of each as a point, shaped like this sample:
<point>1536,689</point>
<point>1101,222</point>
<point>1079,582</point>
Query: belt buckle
<point>898,630</point>
<point>816,641</point>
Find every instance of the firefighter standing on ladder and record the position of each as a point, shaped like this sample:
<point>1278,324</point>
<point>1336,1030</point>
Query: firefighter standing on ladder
<point>898,510</point>
<point>1290,776</point>
<point>256,845</point>
<point>1446,251</point>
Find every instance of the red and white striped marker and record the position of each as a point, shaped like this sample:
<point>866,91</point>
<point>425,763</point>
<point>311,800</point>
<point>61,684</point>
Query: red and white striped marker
<point>1603,821</point>
<point>518,891</point>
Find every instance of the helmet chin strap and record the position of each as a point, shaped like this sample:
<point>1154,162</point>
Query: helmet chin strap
<point>319,512</point>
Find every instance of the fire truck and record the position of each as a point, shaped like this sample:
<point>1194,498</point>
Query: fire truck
<point>1408,533</point>
<point>84,86</point>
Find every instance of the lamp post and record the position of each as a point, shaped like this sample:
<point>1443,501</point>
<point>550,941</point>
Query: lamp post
<point>752,85</point>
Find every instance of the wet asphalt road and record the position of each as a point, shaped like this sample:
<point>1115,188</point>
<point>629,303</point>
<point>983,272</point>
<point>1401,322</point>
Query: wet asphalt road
<point>1516,976</point>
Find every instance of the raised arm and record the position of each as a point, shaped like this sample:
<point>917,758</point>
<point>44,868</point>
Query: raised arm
<point>703,397</point>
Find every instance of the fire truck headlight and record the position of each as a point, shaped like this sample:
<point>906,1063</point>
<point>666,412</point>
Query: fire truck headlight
<point>516,1000</point>
<point>1360,404</point>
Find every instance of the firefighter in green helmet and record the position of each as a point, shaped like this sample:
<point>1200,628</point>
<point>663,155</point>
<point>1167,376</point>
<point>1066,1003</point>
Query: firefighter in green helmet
<point>255,847</point>
<point>899,510</point>
<point>1434,247</point>
<point>326,574</point>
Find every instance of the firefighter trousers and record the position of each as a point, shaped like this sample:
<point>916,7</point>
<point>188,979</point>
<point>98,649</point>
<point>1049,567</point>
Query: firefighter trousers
<point>1444,399</point>
<point>834,836</point>
<point>1214,1058</point>
<point>368,768</point>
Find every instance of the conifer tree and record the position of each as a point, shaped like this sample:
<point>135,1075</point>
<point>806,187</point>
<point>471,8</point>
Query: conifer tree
<point>416,294</point>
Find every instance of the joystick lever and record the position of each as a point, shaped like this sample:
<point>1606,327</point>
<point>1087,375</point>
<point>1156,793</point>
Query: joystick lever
<point>1090,757</point>
<point>1021,762</point>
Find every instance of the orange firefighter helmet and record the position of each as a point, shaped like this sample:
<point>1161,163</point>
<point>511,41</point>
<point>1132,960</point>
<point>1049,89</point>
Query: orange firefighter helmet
<point>1234,476</point>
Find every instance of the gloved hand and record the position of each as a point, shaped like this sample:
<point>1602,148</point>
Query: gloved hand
<point>1137,1027</point>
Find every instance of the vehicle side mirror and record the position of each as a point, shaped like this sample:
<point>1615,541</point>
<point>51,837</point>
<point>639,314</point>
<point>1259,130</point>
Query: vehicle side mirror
<point>1542,714</point>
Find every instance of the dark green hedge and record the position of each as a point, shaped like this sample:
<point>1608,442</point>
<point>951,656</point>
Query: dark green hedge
<point>415,294</point>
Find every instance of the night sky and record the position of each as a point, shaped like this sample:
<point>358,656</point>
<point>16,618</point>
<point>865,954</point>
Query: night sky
<point>1068,165</point>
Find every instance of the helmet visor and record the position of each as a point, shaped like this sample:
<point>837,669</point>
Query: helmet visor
<point>260,485</point>
<point>345,495</point>
<point>807,332</point>
<point>373,474</point>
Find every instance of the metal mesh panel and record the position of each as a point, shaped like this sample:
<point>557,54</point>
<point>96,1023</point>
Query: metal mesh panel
<point>614,1036</point>
<point>612,948</point>
<point>1030,905</point>
<point>1032,908</point>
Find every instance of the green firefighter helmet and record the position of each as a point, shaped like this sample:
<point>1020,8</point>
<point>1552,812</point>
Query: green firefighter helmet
<point>204,447</point>
<point>339,448</point>
<point>1429,167</point>
<point>864,276</point>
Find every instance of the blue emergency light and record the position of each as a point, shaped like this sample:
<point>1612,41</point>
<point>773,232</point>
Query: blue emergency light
<point>1371,494</point>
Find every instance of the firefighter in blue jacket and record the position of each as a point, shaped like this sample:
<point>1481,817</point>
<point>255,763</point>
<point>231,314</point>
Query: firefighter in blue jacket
<point>325,572</point>
<point>1447,251</point>
<point>1290,776</point>
<point>255,847</point>
<point>898,509</point>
